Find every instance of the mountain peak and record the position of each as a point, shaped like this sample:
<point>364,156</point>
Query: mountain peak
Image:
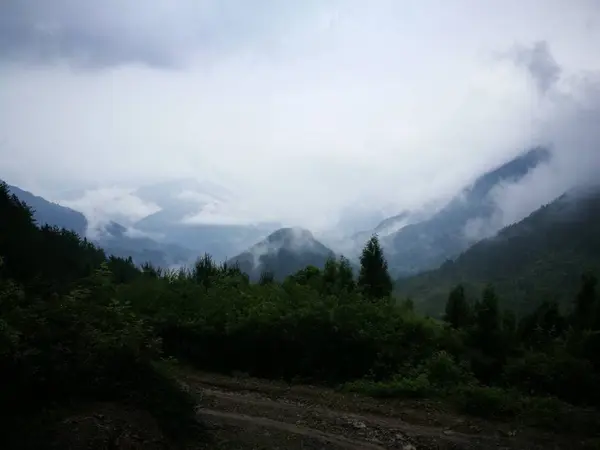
<point>291,235</point>
<point>285,251</point>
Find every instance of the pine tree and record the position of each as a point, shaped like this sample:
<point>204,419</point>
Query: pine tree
<point>330,275</point>
<point>458,311</point>
<point>266,277</point>
<point>374,279</point>
<point>345,275</point>
<point>585,302</point>
<point>487,312</point>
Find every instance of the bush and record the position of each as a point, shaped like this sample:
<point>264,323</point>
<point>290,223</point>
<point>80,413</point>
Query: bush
<point>484,401</point>
<point>557,374</point>
<point>84,346</point>
<point>399,387</point>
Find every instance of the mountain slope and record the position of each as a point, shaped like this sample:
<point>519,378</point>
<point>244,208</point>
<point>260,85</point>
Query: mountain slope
<point>283,253</point>
<point>49,213</point>
<point>113,237</point>
<point>119,241</point>
<point>540,258</point>
<point>181,201</point>
<point>427,244</point>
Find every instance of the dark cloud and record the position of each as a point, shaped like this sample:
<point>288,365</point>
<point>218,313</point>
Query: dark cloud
<point>114,32</point>
<point>42,33</point>
<point>540,64</point>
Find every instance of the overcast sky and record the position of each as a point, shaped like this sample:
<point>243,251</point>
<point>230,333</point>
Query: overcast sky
<point>302,108</point>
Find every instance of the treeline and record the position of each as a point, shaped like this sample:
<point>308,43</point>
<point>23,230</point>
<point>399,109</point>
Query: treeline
<point>77,326</point>
<point>66,338</point>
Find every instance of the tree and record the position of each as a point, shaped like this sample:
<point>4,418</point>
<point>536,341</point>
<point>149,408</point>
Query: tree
<point>374,279</point>
<point>266,277</point>
<point>345,275</point>
<point>330,275</point>
<point>458,311</point>
<point>487,312</point>
<point>585,302</point>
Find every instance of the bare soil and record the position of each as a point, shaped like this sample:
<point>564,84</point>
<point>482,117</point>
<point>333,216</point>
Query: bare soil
<point>246,413</point>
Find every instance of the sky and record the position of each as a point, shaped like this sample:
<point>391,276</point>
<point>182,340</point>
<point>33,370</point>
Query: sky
<point>307,112</point>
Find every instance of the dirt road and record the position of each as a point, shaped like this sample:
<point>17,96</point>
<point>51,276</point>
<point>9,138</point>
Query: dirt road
<point>244,413</point>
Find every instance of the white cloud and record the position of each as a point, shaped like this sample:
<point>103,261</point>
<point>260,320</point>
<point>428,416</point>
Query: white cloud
<point>118,204</point>
<point>303,110</point>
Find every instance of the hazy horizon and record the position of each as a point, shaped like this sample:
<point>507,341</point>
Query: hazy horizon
<point>304,112</point>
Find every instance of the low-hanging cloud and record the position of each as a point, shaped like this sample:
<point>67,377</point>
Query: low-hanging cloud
<point>540,64</point>
<point>304,109</point>
<point>569,128</point>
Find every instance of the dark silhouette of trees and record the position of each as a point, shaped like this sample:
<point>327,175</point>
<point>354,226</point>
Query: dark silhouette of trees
<point>374,279</point>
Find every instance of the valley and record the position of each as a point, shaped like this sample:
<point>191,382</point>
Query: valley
<point>326,225</point>
<point>489,350</point>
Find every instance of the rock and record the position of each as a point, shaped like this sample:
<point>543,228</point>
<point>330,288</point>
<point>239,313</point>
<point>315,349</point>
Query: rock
<point>358,424</point>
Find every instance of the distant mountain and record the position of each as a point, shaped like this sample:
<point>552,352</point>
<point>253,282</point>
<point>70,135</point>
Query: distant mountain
<point>182,200</point>
<point>428,243</point>
<point>387,228</point>
<point>120,241</point>
<point>540,258</point>
<point>114,238</point>
<point>283,252</point>
<point>48,213</point>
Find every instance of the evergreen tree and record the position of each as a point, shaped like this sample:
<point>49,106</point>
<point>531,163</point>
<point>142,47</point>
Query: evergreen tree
<point>330,275</point>
<point>345,275</point>
<point>266,277</point>
<point>487,312</point>
<point>458,311</point>
<point>585,302</point>
<point>374,279</point>
<point>509,321</point>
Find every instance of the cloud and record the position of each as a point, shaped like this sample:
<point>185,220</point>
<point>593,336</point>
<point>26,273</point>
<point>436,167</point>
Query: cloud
<point>302,109</point>
<point>105,204</point>
<point>157,33</point>
<point>540,64</point>
<point>569,127</point>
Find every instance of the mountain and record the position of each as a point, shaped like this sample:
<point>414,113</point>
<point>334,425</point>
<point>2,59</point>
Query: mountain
<point>194,214</point>
<point>283,253</point>
<point>112,237</point>
<point>48,213</point>
<point>123,242</point>
<point>426,244</point>
<point>540,258</point>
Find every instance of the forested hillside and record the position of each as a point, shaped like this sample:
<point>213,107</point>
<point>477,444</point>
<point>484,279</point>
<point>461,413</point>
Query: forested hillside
<point>540,258</point>
<point>112,237</point>
<point>426,244</point>
<point>282,253</point>
<point>77,328</point>
<point>48,213</point>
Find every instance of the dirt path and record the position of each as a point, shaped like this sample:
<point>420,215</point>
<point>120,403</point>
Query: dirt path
<point>244,413</point>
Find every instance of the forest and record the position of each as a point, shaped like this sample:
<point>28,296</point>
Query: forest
<point>78,326</point>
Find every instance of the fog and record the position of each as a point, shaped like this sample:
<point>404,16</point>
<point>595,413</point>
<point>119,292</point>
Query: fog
<point>306,112</point>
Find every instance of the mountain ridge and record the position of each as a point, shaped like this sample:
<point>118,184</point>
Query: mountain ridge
<point>551,246</point>
<point>283,252</point>
<point>46,212</point>
<point>426,244</point>
<point>112,237</point>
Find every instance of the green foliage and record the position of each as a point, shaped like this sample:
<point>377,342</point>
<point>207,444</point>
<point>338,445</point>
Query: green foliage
<point>374,279</point>
<point>65,337</point>
<point>76,326</point>
<point>538,259</point>
<point>585,310</point>
<point>458,310</point>
<point>437,375</point>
